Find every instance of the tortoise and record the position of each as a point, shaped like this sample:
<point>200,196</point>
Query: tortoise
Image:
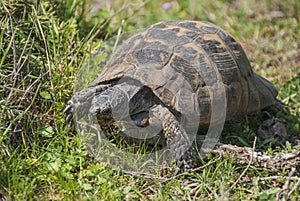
<point>169,62</point>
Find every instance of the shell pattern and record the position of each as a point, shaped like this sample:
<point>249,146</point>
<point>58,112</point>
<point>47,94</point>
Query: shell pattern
<point>189,57</point>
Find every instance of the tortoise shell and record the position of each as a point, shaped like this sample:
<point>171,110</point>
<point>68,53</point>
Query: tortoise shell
<point>190,56</point>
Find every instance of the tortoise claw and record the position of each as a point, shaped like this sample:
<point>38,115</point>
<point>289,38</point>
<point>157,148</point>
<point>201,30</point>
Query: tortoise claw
<point>69,117</point>
<point>69,111</point>
<point>68,107</point>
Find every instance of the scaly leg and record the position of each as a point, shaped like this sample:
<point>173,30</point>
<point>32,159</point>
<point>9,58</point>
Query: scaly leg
<point>178,141</point>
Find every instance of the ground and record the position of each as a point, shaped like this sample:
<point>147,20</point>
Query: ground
<point>43,46</point>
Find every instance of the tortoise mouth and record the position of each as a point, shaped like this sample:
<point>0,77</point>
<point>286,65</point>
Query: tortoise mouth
<point>104,117</point>
<point>141,119</point>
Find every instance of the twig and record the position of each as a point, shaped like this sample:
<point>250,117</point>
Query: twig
<point>11,88</point>
<point>296,186</point>
<point>271,163</point>
<point>245,170</point>
<point>273,178</point>
<point>285,186</point>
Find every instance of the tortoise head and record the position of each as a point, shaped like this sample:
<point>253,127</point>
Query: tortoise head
<point>107,103</point>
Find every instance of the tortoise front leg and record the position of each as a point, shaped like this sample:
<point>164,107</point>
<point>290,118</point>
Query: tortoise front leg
<point>81,101</point>
<point>178,141</point>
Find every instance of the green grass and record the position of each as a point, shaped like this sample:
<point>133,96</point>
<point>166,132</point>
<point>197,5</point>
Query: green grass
<point>44,44</point>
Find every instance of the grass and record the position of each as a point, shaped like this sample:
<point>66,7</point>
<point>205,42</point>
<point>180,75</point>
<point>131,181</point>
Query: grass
<point>44,44</point>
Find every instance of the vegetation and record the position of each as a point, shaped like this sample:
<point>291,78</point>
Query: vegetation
<point>44,44</point>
